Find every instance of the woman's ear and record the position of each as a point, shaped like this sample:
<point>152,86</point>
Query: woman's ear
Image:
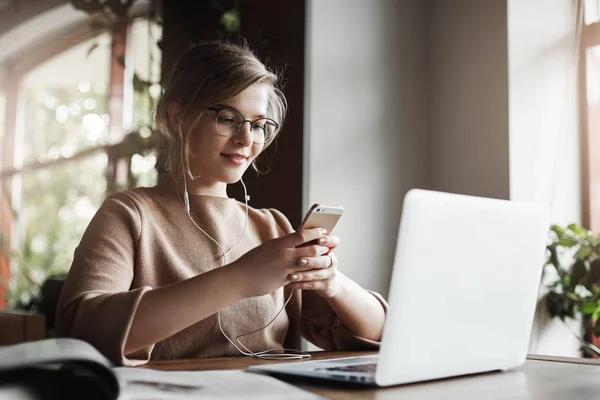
<point>175,114</point>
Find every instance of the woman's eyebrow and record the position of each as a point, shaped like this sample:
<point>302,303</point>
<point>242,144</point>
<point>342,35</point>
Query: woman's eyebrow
<point>234,108</point>
<point>222,105</point>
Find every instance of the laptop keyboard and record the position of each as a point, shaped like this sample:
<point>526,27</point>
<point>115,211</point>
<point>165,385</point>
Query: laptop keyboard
<point>370,367</point>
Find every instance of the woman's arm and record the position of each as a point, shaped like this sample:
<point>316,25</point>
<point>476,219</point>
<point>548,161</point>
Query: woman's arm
<point>164,311</point>
<point>357,309</point>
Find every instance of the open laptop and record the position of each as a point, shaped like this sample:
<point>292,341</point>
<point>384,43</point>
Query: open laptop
<point>462,297</point>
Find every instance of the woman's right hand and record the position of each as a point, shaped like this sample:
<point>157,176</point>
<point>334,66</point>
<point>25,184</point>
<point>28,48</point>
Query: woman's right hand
<point>266,268</point>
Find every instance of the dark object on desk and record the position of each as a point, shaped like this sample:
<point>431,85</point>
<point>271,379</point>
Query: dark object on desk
<point>68,382</point>
<point>58,369</point>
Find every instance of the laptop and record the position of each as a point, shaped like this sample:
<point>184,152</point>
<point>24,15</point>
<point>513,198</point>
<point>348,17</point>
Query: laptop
<point>462,297</point>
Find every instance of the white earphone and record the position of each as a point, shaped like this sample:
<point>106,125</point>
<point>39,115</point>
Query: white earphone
<point>271,354</point>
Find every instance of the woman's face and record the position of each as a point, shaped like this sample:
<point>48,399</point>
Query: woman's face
<point>217,158</point>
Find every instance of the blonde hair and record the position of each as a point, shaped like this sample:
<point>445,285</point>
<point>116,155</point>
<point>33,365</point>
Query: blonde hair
<point>204,76</point>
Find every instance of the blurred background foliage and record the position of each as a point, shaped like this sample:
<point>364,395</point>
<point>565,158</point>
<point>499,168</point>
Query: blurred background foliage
<point>65,139</point>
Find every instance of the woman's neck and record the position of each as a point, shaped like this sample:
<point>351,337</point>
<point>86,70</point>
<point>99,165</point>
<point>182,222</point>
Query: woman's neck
<point>200,186</point>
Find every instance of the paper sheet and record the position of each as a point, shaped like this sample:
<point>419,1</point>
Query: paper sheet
<point>147,384</point>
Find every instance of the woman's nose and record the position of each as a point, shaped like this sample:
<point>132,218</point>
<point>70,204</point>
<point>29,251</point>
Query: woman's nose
<point>244,135</point>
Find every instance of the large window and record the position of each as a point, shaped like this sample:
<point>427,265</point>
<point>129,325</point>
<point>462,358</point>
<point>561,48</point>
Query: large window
<point>146,62</point>
<point>64,113</point>
<point>4,213</point>
<point>65,139</point>
<point>592,11</point>
<point>590,101</point>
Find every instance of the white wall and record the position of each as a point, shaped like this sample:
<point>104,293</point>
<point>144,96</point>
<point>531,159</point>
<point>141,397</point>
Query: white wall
<point>469,97</point>
<point>366,123</point>
<point>544,131</point>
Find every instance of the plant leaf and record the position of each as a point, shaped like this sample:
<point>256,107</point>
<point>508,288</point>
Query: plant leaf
<point>140,85</point>
<point>567,242</point>
<point>560,232</point>
<point>566,280</point>
<point>589,308</point>
<point>553,259</point>
<point>553,305</point>
<point>578,272</point>
<point>559,306</point>
<point>594,274</point>
<point>583,252</point>
<point>579,230</point>
<point>596,330</point>
<point>595,314</point>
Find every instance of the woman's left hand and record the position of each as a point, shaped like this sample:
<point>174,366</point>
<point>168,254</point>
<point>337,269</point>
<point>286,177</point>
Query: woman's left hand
<point>321,272</point>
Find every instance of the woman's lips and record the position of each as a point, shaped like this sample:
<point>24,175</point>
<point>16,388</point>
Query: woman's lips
<point>235,158</point>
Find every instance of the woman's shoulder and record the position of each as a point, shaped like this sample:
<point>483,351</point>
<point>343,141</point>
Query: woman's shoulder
<point>138,196</point>
<point>270,217</point>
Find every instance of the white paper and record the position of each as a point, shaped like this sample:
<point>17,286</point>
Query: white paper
<point>148,384</point>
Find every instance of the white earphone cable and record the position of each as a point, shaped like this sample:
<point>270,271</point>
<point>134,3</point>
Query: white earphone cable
<point>271,354</point>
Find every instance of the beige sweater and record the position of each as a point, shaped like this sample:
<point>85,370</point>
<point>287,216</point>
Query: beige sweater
<point>143,239</point>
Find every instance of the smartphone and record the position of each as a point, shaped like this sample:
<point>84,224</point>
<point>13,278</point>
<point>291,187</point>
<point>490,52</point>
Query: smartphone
<point>322,216</point>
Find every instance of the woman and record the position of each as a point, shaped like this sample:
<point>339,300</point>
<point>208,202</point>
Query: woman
<point>179,269</point>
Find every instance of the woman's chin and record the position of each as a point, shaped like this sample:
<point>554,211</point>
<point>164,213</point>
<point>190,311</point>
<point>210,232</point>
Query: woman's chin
<point>230,179</point>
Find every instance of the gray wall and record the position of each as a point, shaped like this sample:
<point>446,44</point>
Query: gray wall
<point>366,123</point>
<point>402,94</point>
<point>469,96</point>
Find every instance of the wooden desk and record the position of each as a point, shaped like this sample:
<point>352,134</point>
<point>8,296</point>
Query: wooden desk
<point>541,377</point>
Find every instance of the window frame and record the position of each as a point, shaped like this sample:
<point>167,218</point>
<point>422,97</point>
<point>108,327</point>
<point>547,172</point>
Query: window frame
<point>590,134</point>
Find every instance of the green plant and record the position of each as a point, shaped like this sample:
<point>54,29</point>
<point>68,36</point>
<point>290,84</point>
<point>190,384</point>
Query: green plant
<point>574,254</point>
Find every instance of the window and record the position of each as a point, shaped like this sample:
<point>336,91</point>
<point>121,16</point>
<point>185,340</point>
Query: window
<point>590,100</point>
<point>4,214</point>
<point>591,11</point>
<point>62,142</point>
<point>64,113</point>
<point>146,64</point>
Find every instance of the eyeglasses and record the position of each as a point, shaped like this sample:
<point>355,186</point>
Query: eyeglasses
<point>230,121</point>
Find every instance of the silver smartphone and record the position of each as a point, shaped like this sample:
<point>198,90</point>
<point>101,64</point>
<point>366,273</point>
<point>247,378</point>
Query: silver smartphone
<point>322,216</point>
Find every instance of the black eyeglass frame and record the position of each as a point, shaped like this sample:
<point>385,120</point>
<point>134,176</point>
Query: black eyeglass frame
<point>218,109</point>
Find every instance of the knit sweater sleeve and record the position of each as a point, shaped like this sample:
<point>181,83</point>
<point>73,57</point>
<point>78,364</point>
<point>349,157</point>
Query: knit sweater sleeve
<point>319,324</point>
<point>96,303</point>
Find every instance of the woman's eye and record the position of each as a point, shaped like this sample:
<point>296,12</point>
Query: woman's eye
<point>226,120</point>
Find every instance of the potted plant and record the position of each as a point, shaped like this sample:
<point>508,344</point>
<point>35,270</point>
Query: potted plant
<point>574,254</point>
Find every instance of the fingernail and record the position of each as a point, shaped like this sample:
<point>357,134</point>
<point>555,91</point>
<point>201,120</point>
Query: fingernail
<point>323,231</point>
<point>293,277</point>
<point>302,261</point>
<point>322,240</point>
